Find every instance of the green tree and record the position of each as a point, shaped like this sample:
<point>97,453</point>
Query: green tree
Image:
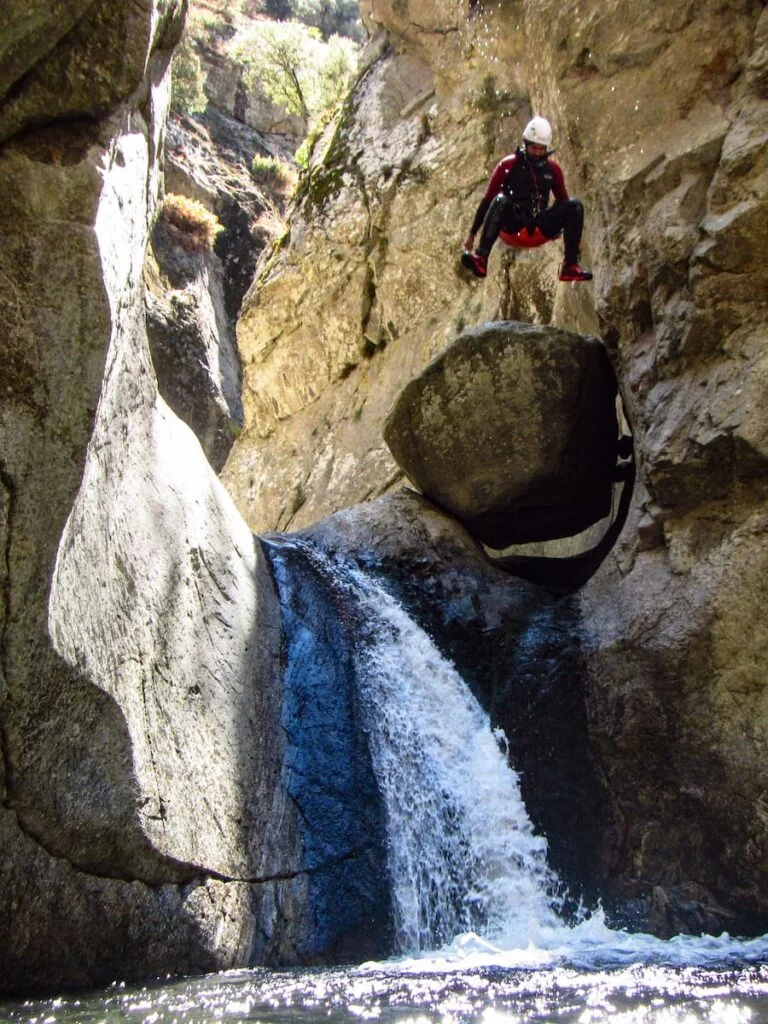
<point>295,67</point>
<point>187,80</point>
<point>332,17</point>
<point>336,70</point>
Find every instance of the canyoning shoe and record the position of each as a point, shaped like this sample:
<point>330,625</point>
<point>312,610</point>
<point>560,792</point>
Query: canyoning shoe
<point>573,272</point>
<point>475,262</point>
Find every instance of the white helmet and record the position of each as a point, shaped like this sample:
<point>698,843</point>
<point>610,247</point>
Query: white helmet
<point>539,131</point>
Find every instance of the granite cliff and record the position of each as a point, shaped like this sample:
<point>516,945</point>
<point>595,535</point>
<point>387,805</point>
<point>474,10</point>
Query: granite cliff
<point>660,117</point>
<point>142,685</point>
<point>142,809</point>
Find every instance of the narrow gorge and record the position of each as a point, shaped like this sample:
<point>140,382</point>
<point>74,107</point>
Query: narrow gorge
<point>219,589</point>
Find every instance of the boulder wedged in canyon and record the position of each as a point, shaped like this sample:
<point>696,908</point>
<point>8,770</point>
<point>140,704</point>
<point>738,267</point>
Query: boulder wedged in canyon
<point>513,430</point>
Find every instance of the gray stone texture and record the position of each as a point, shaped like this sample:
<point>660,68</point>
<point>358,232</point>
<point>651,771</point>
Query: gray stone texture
<point>192,341</point>
<point>659,115</point>
<point>139,698</point>
<point>138,688</point>
<point>513,430</point>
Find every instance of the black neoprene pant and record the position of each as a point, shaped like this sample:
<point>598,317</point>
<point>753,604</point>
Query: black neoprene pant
<point>504,214</point>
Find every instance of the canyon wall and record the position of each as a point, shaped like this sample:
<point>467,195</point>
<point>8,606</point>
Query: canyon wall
<point>659,115</point>
<point>144,794</point>
<point>142,811</point>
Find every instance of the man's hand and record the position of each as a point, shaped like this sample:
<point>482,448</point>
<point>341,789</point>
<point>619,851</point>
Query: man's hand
<point>469,242</point>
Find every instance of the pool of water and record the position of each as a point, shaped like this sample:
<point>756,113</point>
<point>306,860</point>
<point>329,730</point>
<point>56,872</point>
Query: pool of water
<point>636,981</point>
<point>462,858</point>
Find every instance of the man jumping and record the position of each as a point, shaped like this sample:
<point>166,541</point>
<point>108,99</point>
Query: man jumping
<point>516,205</point>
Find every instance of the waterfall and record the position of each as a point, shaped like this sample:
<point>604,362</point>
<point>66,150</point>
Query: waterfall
<point>461,853</point>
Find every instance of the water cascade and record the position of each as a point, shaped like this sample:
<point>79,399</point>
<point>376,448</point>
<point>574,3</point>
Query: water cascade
<point>397,775</point>
<point>441,814</point>
<point>461,853</point>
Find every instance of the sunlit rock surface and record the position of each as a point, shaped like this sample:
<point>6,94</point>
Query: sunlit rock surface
<point>208,158</point>
<point>513,430</point>
<point>140,728</point>
<point>227,91</point>
<point>194,295</point>
<point>373,258</point>
<point>139,700</point>
<point>660,117</point>
<point>192,343</point>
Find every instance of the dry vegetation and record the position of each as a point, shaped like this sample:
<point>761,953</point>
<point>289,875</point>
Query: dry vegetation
<point>195,226</point>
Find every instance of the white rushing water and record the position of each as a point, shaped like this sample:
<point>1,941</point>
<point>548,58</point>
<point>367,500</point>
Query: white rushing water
<point>469,877</point>
<point>480,942</point>
<point>462,853</point>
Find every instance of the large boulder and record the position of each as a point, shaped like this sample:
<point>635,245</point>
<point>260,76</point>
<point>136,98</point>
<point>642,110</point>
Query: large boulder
<point>513,430</point>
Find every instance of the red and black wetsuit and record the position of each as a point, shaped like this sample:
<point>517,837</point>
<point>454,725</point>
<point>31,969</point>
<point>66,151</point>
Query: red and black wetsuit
<point>517,203</point>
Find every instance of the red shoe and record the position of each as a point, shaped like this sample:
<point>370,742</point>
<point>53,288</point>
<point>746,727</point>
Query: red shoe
<point>573,272</point>
<point>475,262</point>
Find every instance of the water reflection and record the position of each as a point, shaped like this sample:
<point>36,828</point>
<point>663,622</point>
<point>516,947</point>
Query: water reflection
<point>399,993</point>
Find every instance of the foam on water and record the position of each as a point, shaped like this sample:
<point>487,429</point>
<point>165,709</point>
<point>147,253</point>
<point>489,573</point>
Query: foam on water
<point>470,882</point>
<point>590,946</point>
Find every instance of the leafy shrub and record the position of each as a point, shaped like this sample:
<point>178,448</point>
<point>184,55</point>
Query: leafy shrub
<point>494,103</point>
<point>303,154</point>
<point>187,80</point>
<point>220,11</point>
<point>337,69</point>
<point>332,17</point>
<point>194,225</point>
<point>272,172</point>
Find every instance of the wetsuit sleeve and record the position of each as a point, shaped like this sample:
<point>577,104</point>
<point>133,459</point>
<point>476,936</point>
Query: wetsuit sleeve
<point>559,190</point>
<point>497,179</point>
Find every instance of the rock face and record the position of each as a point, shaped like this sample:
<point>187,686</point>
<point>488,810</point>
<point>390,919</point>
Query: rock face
<point>144,725</point>
<point>77,59</point>
<point>194,297</point>
<point>145,825</point>
<point>191,339</point>
<point>208,158</point>
<point>660,117</point>
<point>93,842</point>
<point>226,90</point>
<point>514,431</point>
<point>372,257</point>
